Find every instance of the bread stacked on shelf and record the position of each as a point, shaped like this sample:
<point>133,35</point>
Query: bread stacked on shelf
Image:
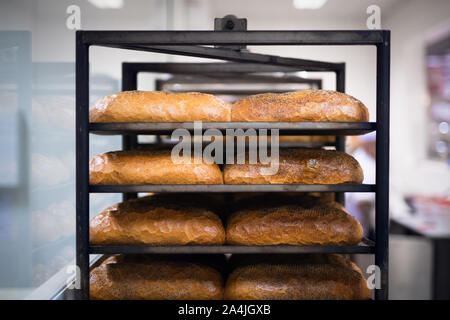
<point>298,277</point>
<point>144,106</point>
<point>156,277</point>
<point>302,105</point>
<point>150,167</point>
<point>291,220</point>
<point>161,219</point>
<point>266,219</point>
<point>270,277</point>
<point>241,219</point>
<point>295,166</point>
<point>299,166</point>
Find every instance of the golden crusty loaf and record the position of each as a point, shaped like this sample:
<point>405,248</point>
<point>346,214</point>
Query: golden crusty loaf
<point>293,224</point>
<point>157,220</point>
<point>154,279</point>
<point>149,167</point>
<point>302,105</point>
<point>302,166</point>
<point>157,106</point>
<point>325,277</point>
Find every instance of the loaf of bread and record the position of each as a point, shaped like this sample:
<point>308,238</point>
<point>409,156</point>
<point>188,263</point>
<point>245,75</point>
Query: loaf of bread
<point>302,105</point>
<point>149,167</point>
<point>312,277</point>
<point>293,224</point>
<point>299,166</point>
<point>157,220</point>
<point>155,279</point>
<point>142,106</point>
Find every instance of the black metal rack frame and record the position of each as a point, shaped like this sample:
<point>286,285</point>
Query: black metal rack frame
<point>237,79</point>
<point>192,43</point>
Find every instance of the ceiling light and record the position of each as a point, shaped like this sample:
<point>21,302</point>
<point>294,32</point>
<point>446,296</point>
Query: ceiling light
<point>107,4</point>
<point>309,4</point>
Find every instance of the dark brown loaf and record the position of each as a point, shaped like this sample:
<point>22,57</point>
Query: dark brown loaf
<point>142,106</point>
<point>294,224</point>
<point>302,166</point>
<point>155,280</point>
<point>310,278</point>
<point>149,167</point>
<point>157,220</point>
<point>302,105</point>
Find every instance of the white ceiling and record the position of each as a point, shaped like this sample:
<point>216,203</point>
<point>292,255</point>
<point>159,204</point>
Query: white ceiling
<point>274,10</point>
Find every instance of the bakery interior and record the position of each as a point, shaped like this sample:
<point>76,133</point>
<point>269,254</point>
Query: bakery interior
<point>38,162</point>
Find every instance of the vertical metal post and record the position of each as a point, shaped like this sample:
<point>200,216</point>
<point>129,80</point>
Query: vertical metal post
<point>129,142</point>
<point>340,140</point>
<point>382,166</point>
<point>82,163</point>
<point>158,87</point>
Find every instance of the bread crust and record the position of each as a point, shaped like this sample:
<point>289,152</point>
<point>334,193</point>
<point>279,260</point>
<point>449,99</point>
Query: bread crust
<point>156,220</point>
<point>149,167</point>
<point>293,224</point>
<point>299,166</point>
<point>302,105</point>
<point>324,278</point>
<point>158,106</point>
<point>155,280</point>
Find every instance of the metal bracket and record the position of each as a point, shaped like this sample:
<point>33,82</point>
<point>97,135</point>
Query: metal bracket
<point>230,23</point>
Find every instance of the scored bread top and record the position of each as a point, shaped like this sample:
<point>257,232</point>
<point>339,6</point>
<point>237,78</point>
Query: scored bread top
<point>158,106</point>
<point>301,105</point>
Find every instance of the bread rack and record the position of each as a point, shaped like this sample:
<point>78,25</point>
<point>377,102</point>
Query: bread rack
<point>193,43</point>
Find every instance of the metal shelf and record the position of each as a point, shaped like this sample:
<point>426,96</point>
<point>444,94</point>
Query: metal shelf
<point>364,247</point>
<point>315,145</point>
<point>285,128</point>
<point>231,188</point>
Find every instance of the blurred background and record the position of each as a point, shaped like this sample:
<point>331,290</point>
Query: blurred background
<point>37,121</point>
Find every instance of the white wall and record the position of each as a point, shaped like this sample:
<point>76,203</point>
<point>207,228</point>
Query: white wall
<point>411,172</point>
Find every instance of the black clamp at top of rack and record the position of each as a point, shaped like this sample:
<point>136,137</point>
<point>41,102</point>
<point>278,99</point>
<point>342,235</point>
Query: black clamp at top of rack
<point>231,23</point>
